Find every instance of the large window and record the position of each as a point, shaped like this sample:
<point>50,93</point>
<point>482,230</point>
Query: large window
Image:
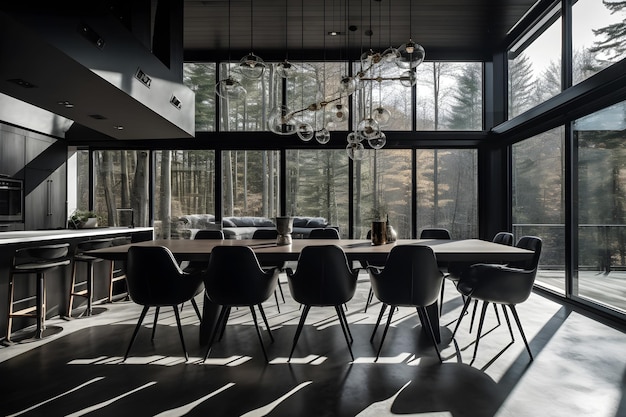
<point>538,196</point>
<point>601,144</point>
<point>535,65</point>
<point>201,79</point>
<point>122,184</point>
<point>250,183</point>
<point>449,96</point>
<point>382,188</point>
<point>447,190</point>
<point>597,36</point>
<point>184,185</point>
<point>317,185</point>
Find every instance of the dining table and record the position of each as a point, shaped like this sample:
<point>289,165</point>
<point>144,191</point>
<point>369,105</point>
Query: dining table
<point>267,250</point>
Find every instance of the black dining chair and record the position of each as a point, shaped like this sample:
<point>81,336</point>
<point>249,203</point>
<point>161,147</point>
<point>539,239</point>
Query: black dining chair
<point>234,278</point>
<point>455,269</point>
<point>441,234</point>
<point>271,234</point>
<point>323,278</point>
<point>507,285</point>
<point>155,280</point>
<point>324,233</point>
<point>409,278</point>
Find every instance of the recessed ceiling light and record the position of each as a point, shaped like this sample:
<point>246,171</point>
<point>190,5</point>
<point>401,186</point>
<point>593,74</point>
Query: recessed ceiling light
<point>334,33</point>
<point>22,83</point>
<point>65,104</point>
<point>118,127</point>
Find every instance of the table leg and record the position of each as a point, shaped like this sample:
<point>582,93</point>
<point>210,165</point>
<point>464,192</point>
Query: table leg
<point>433,315</point>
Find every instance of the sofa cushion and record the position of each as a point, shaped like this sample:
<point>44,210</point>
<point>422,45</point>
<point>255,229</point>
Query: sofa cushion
<point>263,222</point>
<point>300,221</point>
<point>316,222</point>
<point>226,222</point>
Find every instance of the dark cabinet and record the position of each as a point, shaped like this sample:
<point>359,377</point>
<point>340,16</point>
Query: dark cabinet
<point>45,180</point>
<point>11,151</point>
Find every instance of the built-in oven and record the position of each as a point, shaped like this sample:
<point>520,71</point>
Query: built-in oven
<point>11,200</point>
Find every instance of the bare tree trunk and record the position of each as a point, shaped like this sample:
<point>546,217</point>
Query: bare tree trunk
<point>139,196</point>
<point>105,170</point>
<point>358,220</point>
<point>228,183</point>
<point>165,209</point>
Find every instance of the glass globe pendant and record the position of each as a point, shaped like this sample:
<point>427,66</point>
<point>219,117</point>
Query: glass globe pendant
<point>230,88</point>
<point>355,151</point>
<point>368,128</point>
<point>353,137</point>
<point>286,69</point>
<point>305,131</point>
<point>348,85</point>
<point>252,66</point>
<point>280,121</point>
<point>411,55</point>
<point>322,136</point>
<point>390,55</point>
<point>381,115</point>
<point>378,142</point>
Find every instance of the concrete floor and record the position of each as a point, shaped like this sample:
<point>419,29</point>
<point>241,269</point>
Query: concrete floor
<point>579,367</point>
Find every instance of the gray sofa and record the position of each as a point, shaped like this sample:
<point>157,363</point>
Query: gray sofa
<point>244,227</point>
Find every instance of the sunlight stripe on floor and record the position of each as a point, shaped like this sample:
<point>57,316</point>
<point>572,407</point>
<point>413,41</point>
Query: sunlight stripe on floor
<point>307,360</point>
<point>108,402</point>
<point>229,361</point>
<point>181,411</point>
<point>384,359</point>
<point>266,409</point>
<point>91,381</point>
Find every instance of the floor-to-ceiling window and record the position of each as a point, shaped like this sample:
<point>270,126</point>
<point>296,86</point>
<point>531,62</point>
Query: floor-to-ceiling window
<point>535,65</point>
<point>122,184</point>
<point>601,184</point>
<point>538,201</point>
<point>447,191</point>
<point>184,185</point>
<point>317,185</point>
<point>250,183</point>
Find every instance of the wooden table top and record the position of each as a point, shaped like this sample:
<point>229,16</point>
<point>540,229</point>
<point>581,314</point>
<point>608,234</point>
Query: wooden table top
<point>467,250</point>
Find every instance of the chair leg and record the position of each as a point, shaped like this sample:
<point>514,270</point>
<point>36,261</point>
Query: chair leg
<point>495,308</point>
<point>10,310</point>
<point>480,327</point>
<point>305,311</point>
<point>345,329</point>
<point>72,285</point>
<point>473,315</point>
<point>382,339</point>
<point>508,322</point>
<point>154,325</point>
<point>519,326</point>
<point>195,307</point>
<point>218,327</point>
<point>383,307</point>
<point>458,322</point>
<point>443,286</point>
<point>223,325</point>
<point>132,339</point>
<point>180,332</point>
<point>276,298</point>
<point>258,332</point>
<point>431,332</point>
<point>280,288</point>
<point>370,297</point>
<point>267,325</point>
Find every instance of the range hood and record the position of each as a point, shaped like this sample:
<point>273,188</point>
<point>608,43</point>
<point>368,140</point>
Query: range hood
<point>92,70</point>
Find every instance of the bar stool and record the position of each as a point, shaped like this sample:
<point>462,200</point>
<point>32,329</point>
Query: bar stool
<point>80,256</point>
<point>119,271</point>
<point>34,260</point>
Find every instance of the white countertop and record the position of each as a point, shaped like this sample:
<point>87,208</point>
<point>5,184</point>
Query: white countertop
<point>42,235</point>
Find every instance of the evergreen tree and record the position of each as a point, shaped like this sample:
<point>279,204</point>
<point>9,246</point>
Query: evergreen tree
<point>521,82</point>
<point>201,79</point>
<point>467,111</point>
<point>613,47</point>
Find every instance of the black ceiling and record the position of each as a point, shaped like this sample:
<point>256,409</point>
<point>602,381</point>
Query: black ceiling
<point>469,29</point>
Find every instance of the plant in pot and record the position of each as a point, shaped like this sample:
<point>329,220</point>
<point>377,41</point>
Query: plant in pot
<point>81,219</point>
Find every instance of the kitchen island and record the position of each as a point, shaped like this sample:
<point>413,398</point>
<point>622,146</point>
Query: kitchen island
<point>57,281</point>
